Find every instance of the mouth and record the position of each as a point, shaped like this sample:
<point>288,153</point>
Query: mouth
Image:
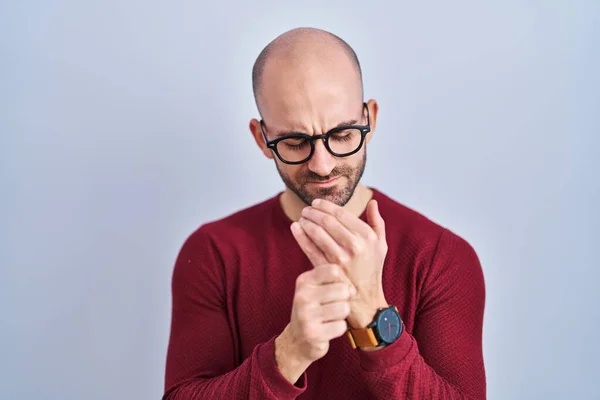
<point>324,183</point>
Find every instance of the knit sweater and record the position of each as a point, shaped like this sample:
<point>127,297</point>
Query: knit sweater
<point>233,285</point>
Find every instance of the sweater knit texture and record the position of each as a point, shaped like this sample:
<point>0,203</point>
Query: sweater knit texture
<point>233,285</point>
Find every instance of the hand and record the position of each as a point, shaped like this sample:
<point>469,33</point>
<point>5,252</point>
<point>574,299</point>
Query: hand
<point>331,234</point>
<point>320,307</point>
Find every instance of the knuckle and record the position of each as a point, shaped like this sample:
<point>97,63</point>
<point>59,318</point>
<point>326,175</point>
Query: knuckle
<point>334,270</point>
<point>344,308</point>
<point>302,297</point>
<point>340,328</point>
<point>341,291</point>
<point>339,213</point>
<point>343,259</point>
<point>346,293</point>
<point>357,246</point>
<point>328,220</point>
<point>372,236</point>
<point>308,227</point>
<point>348,309</point>
<point>314,230</point>
<point>300,280</point>
<point>319,231</point>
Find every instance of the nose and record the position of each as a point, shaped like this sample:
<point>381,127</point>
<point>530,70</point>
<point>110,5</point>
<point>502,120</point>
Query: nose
<point>322,161</point>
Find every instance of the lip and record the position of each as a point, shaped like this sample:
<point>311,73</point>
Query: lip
<point>325,183</point>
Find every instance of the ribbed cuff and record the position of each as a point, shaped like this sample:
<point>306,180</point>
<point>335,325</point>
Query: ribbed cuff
<point>390,355</point>
<point>279,385</point>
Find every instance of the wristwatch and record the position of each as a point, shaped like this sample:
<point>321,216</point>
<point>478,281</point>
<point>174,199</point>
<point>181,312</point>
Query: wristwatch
<point>385,329</point>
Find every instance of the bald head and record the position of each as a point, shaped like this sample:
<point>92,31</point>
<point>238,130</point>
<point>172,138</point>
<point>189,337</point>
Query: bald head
<point>301,57</point>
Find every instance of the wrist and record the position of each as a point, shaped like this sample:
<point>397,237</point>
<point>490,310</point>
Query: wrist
<point>287,357</point>
<point>364,313</point>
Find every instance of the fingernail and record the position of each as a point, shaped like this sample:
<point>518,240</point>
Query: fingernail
<point>316,202</point>
<point>295,226</point>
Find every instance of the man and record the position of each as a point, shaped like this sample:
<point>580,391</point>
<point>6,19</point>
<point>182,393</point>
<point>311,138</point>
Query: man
<point>329,290</point>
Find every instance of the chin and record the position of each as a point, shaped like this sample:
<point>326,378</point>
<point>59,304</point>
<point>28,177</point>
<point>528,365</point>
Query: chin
<point>338,196</point>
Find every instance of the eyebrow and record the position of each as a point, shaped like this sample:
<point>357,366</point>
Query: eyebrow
<point>343,123</point>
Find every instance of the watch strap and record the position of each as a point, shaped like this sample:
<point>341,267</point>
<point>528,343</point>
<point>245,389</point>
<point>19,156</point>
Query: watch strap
<point>364,337</point>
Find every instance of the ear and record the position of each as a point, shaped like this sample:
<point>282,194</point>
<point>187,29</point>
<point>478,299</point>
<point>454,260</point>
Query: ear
<point>373,108</point>
<point>258,138</point>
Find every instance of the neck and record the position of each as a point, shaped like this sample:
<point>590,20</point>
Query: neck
<point>293,206</point>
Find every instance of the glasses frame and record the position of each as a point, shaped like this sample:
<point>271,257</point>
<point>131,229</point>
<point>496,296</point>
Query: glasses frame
<point>272,144</point>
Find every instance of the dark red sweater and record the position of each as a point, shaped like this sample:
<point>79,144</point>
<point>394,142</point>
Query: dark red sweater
<point>233,285</point>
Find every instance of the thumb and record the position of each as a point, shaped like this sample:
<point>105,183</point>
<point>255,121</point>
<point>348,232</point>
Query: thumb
<point>374,219</point>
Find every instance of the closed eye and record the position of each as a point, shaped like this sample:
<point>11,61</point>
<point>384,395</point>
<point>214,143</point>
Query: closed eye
<point>345,135</point>
<point>295,144</point>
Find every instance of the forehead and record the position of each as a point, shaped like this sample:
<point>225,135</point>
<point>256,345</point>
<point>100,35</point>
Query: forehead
<point>310,101</point>
<point>312,117</point>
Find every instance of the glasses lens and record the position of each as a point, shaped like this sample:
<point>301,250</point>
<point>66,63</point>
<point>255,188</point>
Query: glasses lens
<point>345,142</point>
<point>293,149</point>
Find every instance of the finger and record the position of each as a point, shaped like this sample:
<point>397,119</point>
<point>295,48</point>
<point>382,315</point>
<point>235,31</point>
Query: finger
<point>375,219</point>
<point>333,292</point>
<point>333,329</point>
<point>353,223</point>
<point>327,273</point>
<point>314,254</point>
<point>323,240</point>
<point>338,310</point>
<point>331,225</point>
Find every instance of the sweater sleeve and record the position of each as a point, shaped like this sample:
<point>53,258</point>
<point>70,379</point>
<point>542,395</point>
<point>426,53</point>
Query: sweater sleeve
<point>201,356</point>
<point>443,358</point>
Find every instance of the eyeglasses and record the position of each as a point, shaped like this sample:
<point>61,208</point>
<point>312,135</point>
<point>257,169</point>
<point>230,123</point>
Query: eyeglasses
<point>298,148</point>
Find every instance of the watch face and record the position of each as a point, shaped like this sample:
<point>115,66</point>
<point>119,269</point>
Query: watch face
<point>389,325</point>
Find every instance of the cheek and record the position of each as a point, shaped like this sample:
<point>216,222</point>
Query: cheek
<point>296,173</point>
<point>352,164</point>
<point>291,172</point>
<point>360,159</point>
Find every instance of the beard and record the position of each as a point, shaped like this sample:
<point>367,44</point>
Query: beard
<point>339,193</point>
